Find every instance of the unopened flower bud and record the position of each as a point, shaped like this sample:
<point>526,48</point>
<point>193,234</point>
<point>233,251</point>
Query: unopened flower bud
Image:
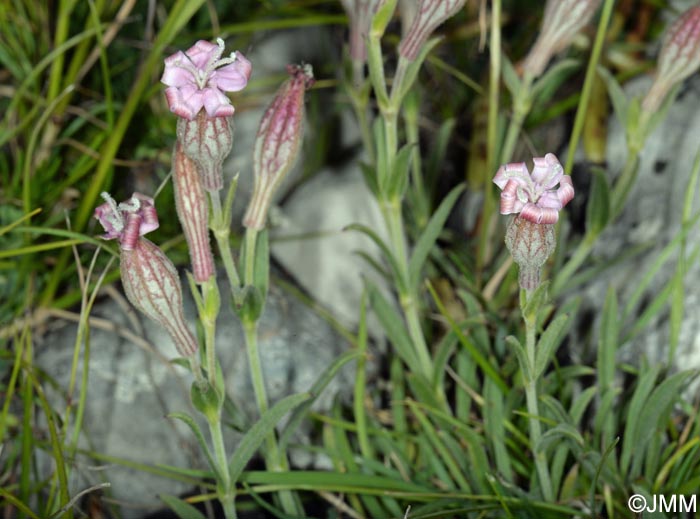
<point>431,13</point>
<point>360,14</point>
<point>207,141</point>
<point>277,143</point>
<point>150,280</point>
<point>563,20</point>
<point>679,57</point>
<point>192,208</point>
<point>530,244</point>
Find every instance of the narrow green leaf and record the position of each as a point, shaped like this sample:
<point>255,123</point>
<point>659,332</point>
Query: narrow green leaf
<point>521,355</point>
<point>545,86</point>
<point>187,419</point>
<point>260,430</point>
<point>510,76</point>
<point>645,384</point>
<point>397,94</point>
<point>430,235</point>
<point>548,343</point>
<point>494,420</point>
<point>380,243</point>
<point>556,434</point>
<point>656,410</point>
<point>322,381</point>
<point>598,207</point>
<point>394,327</point>
<point>262,263</point>
<point>531,306</point>
<point>398,179</point>
<point>617,95</point>
<point>609,341</point>
<point>182,509</point>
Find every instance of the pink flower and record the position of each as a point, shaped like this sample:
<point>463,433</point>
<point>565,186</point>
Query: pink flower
<point>198,78</point>
<point>150,279</point>
<point>679,57</point>
<point>277,143</point>
<point>431,13</point>
<point>534,195</point>
<point>128,220</point>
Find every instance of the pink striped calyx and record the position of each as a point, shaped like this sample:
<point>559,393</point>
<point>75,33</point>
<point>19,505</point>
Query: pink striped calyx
<point>277,143</point>
<point>192,207</point>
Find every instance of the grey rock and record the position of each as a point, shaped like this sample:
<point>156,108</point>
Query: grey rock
<point>652,217</point>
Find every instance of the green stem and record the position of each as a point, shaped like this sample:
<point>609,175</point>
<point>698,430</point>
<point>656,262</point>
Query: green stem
<point>407,298</point>
<point>221,230</point>
<point>226,492</point>
<point>591,73</point>
<point>275,460</point>
<point>521,107</point>
<point>208,319</point>
<point>533,408</point>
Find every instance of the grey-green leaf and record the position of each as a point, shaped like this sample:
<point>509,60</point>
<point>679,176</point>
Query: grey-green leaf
<point>259,431</point>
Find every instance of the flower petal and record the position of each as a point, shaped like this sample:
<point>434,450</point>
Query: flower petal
<point>565,193</point>
<point>540,215</point>
<point>232,77</point>
<point>516,171</point>
<point>216,104</point>
<point>547,171</point>
<point>178,105</point>
<point>203,52</point>
<point>511,198</point>
<point>174,74</point>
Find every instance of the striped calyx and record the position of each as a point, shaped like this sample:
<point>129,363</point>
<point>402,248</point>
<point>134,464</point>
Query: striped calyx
<point>430,14</point>
<point>679,57</point>
<point>152,285</point>
<point>530,244</point>
<point>563,20</point>
<point>277,143</point>
<point>192,208</point>
<point>207,141</point>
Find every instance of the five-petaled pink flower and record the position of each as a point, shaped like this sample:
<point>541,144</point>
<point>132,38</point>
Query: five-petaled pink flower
<point>535,195</point>
<point>199,77</point>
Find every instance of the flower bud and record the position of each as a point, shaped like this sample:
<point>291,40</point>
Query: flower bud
<point>360,14</point>
<point>152,285</point>
<point>192,208</point>
<point>150,280</point>
<point>431,13</point>
<point>563,20</point>
<point>679,58</point>
<point>277,143</point>
<point>530,244</point>
<point>207,141</point>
